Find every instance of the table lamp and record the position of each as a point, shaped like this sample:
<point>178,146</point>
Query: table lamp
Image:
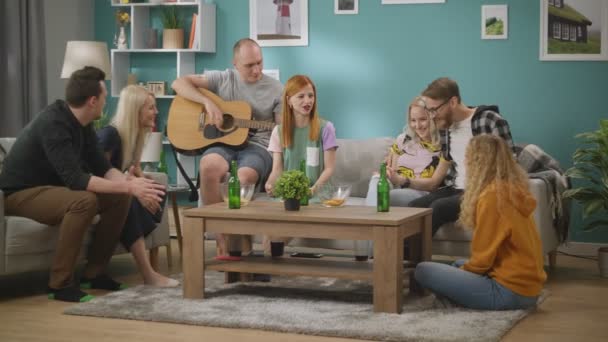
<point>153,147</point>
<point>79,54</point>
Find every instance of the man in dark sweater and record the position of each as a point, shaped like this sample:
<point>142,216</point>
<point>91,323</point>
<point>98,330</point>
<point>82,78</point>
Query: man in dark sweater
<point>57,175</point>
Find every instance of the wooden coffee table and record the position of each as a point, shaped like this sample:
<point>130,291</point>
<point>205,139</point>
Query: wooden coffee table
<point>387,230</point>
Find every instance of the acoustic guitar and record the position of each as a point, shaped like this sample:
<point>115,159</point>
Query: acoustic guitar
<point>189,127</point>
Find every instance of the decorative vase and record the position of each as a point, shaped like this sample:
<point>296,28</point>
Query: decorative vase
<point>173,38</point>
<point>121,43</point>
<point>292,204</point>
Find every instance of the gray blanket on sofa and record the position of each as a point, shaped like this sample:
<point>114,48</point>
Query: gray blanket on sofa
<point>541,165</point>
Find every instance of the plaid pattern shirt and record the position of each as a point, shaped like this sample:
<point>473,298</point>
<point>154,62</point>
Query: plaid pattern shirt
<point>484,121</point>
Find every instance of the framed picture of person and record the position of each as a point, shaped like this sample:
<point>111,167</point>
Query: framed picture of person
<point>279,22</point>
<point>346,6</point>
<point>573,30</point>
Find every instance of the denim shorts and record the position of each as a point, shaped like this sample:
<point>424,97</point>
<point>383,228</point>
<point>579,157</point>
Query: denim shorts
<point>252,155</point>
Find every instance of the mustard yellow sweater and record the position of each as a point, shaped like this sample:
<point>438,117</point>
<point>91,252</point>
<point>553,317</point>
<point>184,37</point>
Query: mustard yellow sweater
<point>506,245</point>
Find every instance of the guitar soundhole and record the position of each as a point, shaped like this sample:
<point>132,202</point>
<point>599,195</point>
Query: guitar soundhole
<point>211,132</point>
<point>228,122</point>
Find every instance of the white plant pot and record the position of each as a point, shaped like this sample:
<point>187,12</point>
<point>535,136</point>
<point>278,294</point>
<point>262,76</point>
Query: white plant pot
<point>602,260</point>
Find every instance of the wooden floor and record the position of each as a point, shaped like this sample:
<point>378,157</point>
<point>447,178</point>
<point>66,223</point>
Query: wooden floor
<point>576,310</point>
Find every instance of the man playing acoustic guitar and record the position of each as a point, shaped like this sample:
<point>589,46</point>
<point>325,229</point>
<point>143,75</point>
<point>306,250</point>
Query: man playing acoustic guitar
<point>245,82</point>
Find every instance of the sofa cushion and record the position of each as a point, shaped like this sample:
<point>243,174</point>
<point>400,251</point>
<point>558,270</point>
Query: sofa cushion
<point>26,236</point>
<point>357,159</point>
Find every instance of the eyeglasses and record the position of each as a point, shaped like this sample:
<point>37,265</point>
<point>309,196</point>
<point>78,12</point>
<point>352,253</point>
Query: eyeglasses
<point>433,111</point>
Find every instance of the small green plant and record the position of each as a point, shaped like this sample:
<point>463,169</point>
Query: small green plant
<point>102,122</point>
<point>171,18</point>
<point>591,165</point>
<point>292,184</point>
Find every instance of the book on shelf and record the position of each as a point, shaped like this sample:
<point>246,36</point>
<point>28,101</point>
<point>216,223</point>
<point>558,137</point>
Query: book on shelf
<point>192,37</point>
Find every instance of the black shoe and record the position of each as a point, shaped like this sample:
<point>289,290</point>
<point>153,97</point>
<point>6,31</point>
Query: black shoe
<point>101,282</point>
<point>69,294</point>
<point>264,278</point>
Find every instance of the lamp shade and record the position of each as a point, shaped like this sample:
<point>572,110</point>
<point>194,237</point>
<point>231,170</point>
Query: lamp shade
<point>79,54</point>
<point>152,148</point>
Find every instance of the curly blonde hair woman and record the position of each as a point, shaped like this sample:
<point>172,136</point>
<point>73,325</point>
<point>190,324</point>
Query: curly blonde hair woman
<point>505,270</point>
<point>488,159</point>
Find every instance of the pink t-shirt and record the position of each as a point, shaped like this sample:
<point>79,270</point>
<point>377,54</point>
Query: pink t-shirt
<point>415,160</point>
<point>328,136</point>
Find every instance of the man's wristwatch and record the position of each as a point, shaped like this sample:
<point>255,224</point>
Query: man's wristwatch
<point>406,183</point>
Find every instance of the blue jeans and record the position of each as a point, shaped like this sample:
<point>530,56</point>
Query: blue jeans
<point>469,289</point>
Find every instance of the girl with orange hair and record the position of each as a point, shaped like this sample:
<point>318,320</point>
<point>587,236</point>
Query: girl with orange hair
<point>505,270</point>
<point>302,135</point>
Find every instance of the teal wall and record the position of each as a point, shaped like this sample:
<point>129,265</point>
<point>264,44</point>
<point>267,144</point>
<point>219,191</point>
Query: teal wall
<point>368,66</point>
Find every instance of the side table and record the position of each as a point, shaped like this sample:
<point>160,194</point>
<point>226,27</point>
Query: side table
<point>172,191</point>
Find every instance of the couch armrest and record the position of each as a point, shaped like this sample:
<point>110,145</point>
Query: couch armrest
<point>2,232</point>
<point>1,209</point>
<point>160,235</point>
<point>159,177</point>
<point>543,215</point>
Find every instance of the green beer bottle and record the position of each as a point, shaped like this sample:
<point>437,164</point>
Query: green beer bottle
<point>383,191</point>
<point>162,165</point>
<point>304,200</point>
<point>234,188</point>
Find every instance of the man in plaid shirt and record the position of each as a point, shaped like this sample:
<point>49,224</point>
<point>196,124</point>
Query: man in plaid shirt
<point>458,124</point>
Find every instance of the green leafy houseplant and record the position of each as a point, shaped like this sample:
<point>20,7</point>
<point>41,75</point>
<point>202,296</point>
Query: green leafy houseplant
<point>591,165</point>
<point>102,122</point>
<point>292,185</point>
<point>171,18</point>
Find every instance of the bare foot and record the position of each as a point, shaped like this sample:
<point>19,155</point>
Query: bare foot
<point>159,280</point>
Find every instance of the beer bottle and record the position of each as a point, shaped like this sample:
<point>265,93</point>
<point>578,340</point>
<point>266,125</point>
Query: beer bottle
<point>304,199</point>
<point>234,188</point>
<point>383,191</point>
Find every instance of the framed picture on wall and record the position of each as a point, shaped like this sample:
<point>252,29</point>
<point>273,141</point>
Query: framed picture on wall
<point>494,22</point>
<point>279,22</point>
<point>400,2</point>
<point>346,6</point>
<point>573,30</point>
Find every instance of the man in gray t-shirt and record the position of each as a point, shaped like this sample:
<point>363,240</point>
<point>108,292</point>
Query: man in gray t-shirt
<point>245,82</point>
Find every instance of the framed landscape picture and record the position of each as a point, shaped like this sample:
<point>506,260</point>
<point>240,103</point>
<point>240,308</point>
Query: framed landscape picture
<point>279,22</point>
<point>573,30</point>
<point>494,22</point>
<point>346,6</point>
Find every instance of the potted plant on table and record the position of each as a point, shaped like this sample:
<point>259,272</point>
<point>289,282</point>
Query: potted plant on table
<point>591,165</point>
<point>173,33</point>
<point>291,186</point>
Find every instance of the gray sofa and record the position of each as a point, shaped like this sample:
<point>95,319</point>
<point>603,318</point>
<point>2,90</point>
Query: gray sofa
<point>357,159</point>
<point>27,245</point>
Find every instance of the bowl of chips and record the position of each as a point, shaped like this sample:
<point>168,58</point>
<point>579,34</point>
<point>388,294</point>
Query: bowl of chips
<point>247,192</point>
<point>334,195</point>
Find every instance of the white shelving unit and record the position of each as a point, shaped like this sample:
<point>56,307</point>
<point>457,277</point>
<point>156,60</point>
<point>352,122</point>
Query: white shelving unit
<point>140,23</point>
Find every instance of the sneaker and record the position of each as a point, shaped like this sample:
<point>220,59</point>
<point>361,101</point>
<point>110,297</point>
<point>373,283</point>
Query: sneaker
<point>69,294</point>
<point>101,282</point>
<point>261,277</point>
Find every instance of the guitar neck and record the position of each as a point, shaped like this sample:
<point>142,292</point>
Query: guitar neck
<point>254,124</point>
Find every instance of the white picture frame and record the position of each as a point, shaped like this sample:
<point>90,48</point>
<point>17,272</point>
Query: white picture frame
<point>593,38</point>
<point>494,22</point>
<point>404,2</point>
<point>279,24</point>
<point>346,6</point>
<point>274,73</point>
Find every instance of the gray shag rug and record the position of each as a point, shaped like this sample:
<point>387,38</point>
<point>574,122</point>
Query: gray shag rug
<point>304,305</point>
